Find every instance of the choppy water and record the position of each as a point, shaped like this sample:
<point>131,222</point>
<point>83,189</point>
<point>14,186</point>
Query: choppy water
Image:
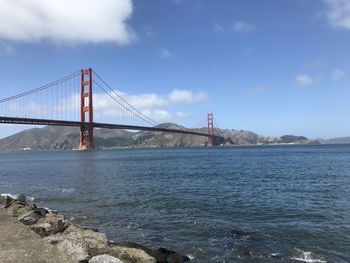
<point>244,204</point>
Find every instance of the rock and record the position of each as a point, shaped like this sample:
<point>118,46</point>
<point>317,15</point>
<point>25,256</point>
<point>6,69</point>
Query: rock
<point>160,258</point>
<point>172,256</point>
<point>16,208</point>
<point>21,198</point>
<point>96,241</point>
<point>5,200</point>
<point>30,218</point>
<point>240,234</point>
<point>130,255</point>
<point>50,224</point>
<point>161,255</point>
<point>105,259</point>
<point>74,246</point>
<point>79,243</point>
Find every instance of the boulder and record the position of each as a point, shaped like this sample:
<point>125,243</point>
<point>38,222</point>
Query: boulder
<point>73,246</point>
<point>96,241</point>
<point>30,217</point>
<point>172,256</point>
<point>15,208</point>
<point>161,255</point>
<point>160,258</point>
<point>50,224</point>
<point>5,200</point>
<point>105,259</point>
<point>130,255</point>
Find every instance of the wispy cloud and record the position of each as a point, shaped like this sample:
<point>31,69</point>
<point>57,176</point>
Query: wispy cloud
<point>219,28</point>
<point>187,96</point>
<point>66,21</point>
<point>243,27</point>
<point>237,27</point>
<point>338,13</point>
<point>165,53</point>
<point>305,80</point>
<point>337,74</point>
<point>155,106</point>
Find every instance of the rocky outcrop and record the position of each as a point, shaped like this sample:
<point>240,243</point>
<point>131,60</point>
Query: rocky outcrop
<point>79,243</point>
<point>50,224</point>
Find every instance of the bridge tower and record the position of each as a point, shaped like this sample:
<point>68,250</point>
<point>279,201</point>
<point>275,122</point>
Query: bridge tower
<point>210,129</point>
<point>86,128</point>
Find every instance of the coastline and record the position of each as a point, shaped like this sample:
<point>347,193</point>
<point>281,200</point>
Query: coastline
<point>79,243</point>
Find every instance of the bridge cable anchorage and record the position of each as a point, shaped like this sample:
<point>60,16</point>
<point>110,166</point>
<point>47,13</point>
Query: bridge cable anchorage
<point>116,93</point>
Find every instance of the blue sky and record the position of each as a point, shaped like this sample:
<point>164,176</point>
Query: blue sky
<point>272,67</point>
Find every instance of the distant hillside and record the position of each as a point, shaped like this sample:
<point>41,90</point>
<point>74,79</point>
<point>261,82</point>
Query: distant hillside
<point>342,140</point>
<point>52,137</point>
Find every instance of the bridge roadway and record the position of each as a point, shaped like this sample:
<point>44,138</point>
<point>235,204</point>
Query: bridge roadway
<point>30,121</point>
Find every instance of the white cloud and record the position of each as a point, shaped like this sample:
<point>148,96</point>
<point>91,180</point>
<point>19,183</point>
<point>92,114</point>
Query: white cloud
<point>337,74</point>
<point>181,114</point>
<point>338,13</point>
<point>242,27</point>
<point>187,96</point>
<point>305,80</point>
<point>144,101</point>
<point>78,21</point>
<point>158,114</point>
<point>166,54</point>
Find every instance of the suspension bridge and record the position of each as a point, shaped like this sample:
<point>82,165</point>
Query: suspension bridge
<point>72,101</point>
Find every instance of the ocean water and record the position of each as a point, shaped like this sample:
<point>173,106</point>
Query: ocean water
<point>242,204</point>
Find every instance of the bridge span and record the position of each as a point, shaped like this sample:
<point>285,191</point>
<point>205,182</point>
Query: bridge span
<point>86,122</point>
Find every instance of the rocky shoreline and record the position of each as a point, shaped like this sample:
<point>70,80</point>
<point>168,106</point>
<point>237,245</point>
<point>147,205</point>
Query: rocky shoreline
<point>79,243</point>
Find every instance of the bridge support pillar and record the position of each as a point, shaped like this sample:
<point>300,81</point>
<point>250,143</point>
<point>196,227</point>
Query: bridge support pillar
<point>86,129</point>
<point>210,129</point>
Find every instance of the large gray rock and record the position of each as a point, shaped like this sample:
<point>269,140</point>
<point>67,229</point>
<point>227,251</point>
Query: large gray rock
<point>32,216</point>
<point>50,224</point>
<point>79,243</point>
<point>73,246</point>
<point>161,255</point>
<point>16,208</point>
<point>105,259</point>
<point>96,241</point>
<point>160,258</point>
<point>130,255</point>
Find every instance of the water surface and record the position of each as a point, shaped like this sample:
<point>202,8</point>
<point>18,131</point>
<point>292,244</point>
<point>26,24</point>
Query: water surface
<point>242,204</point>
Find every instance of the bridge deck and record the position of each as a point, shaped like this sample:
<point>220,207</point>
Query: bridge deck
<point>30,121</point>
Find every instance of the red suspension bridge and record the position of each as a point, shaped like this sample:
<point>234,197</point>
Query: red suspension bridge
<point>71,101</point>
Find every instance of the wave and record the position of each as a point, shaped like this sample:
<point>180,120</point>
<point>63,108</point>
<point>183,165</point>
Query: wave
<point>307,256</point>
<point>52,189</point>
<point>19,197</point>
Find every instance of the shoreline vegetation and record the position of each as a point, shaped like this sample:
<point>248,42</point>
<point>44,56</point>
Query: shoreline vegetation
<point>79,243</point>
